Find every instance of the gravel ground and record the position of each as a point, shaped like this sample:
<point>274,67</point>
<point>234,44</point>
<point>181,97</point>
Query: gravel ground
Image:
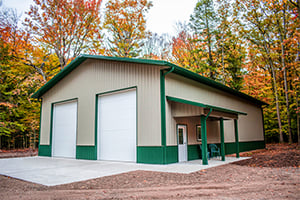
<point>254,179</point>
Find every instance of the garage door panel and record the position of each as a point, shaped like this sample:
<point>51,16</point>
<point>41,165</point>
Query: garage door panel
<point>117,126</point>
<point>64,129</point>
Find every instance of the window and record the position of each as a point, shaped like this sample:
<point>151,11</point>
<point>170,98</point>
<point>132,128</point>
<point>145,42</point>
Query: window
<point>180,135</point>
<point>198,133</point>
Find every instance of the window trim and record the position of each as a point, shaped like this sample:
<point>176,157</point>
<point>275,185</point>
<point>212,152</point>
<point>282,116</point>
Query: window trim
<point>197,126</point>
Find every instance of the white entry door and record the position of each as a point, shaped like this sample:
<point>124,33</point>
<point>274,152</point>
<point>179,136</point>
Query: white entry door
<point>64,129</point>
<point>182,143</point>
<point>117,126</point>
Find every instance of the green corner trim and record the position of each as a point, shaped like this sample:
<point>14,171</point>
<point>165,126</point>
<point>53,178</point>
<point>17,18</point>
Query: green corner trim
<point>177,70</point>
<point>44,150</point>
<point>236,134</point>
<point>86,152</point>
<point>96,127</point>
<point>163,111</point>
<point>204,105</point>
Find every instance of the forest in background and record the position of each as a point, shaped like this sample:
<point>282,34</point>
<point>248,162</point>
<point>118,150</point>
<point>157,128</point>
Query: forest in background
<point>252,46</point>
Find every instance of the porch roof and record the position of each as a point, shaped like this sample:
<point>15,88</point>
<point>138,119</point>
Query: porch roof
<point>216,108</point>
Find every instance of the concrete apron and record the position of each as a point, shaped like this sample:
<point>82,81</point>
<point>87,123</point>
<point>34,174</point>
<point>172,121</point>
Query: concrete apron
<point>51,171</point>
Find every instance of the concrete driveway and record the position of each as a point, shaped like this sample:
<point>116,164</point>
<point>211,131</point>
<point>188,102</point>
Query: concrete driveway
<point>55,171</point>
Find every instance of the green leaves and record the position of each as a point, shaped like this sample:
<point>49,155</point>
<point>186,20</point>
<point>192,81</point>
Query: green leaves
<point>126,26</point>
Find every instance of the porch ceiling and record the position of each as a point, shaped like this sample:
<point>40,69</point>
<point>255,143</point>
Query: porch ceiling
<point>214,108</point>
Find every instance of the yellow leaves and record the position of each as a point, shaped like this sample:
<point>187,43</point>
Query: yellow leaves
<point>125,22</point>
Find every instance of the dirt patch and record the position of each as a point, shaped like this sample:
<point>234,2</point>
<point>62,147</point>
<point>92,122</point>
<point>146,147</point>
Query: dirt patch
<point>232,181</point>
<point>275,155</point>
<point>18,153</point>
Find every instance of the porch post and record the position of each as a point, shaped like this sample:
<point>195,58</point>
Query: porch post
<point>204,140</point>
<point>222,139</point>
<point>237,147</point>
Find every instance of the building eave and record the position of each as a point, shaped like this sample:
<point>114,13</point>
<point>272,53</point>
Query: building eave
<point>177,70</point>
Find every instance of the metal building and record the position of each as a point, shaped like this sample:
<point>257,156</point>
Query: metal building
<point>145,111</point>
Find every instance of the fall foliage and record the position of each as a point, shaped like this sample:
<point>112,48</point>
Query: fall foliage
<point>126,26</point>
<point>250,46</point>
<point>65,27</point>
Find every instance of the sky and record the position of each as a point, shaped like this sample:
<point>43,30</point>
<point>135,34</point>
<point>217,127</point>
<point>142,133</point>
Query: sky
<point>161,18</point>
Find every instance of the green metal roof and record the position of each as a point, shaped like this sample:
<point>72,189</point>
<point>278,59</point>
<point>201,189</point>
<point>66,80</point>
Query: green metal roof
<point>177,70</point>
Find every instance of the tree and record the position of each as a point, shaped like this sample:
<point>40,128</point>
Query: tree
<point>272,32</point>
<point>156,46</point>
<point>230,48</point>
<point>258,33</point>
<point>67,27</point>
<point>203,22</point>
<point>125,24</point>
<point>279,11</point>
<point>296,4</point>
<point>19,121</point>
<point>186,52</point>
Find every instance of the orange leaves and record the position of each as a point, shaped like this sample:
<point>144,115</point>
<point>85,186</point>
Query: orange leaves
<point>68,27</point>
<point>125,22</point>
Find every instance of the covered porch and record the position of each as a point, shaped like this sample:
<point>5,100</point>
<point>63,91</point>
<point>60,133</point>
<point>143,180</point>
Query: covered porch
<point>198,125</point>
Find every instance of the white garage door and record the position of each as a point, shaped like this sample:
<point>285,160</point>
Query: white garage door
<point>117,126</point>
<point>64,129</point>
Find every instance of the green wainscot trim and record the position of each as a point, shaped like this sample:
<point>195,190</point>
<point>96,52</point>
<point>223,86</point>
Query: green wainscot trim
<point>86,152</point>
<point>244,146</point>
<point>45,150</point>
<point>172,154</point>
<point>253,145</point>
<point>154,154</point>
<point>194,152</point>
<point>150,154</point>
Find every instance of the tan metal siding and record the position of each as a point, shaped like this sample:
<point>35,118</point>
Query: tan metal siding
<point>171,137</point>
<point>174,109</point>
<point>250,126</point>
<point>98,76</point>
<point>213,129</point>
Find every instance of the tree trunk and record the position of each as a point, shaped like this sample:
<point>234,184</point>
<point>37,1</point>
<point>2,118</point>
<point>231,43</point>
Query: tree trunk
<point>275,90</point>
<point>24,141</point>
<point>34,138</point>
<point>282,35</point>
<point>297,94</point>
<point>277,105</point>
<point>298,119</point>
<point>223,67</point>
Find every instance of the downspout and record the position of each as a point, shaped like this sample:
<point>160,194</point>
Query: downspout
<point>163,112</point>
<point>171,70</point>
